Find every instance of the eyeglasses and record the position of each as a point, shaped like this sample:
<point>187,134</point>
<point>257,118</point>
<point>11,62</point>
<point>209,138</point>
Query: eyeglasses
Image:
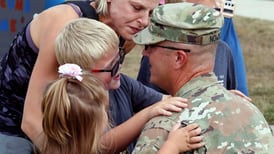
<point>166,47</point>
<point>113,71</point>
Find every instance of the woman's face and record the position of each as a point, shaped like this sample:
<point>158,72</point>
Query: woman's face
<point>130,16</point>
<point>107,69</point>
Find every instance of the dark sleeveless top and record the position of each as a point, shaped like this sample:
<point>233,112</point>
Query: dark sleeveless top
<point>15,70</point>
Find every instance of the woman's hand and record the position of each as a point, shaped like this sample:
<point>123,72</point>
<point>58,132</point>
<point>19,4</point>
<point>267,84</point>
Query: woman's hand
<point>237,92</point>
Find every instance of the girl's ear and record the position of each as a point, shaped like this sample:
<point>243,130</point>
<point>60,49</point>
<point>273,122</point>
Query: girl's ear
<point>181,58</point>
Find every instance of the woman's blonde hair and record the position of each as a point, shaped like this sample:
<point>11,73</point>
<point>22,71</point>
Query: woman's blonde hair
<point>74,115</point>
<point>102,7</point>
<point>83,41</point>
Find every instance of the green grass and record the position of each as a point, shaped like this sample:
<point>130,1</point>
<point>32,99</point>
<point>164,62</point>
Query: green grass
<point>257,42</point>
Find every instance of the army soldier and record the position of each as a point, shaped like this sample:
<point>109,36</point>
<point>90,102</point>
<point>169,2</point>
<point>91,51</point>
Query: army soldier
<point>180,43</point>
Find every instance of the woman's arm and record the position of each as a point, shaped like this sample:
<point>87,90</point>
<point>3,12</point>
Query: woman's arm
<point>44,29</point>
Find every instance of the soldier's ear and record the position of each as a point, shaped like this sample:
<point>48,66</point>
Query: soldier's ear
<point>181,59</point>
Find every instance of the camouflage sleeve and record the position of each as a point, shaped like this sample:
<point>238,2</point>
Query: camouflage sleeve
<point>150,141</point>
<point>154,134</point>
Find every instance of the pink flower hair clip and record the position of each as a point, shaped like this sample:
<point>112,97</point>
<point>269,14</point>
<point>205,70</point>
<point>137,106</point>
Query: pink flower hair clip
<point>162,2</point>
<point>72,70</point>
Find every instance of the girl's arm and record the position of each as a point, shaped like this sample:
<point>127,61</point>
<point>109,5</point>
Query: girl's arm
<point>182,139</point>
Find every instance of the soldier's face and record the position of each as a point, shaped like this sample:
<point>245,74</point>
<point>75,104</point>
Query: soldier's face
<point>160,64</point>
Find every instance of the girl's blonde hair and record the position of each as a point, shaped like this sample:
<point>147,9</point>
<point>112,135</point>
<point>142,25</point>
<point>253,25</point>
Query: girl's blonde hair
<point>74,116</point>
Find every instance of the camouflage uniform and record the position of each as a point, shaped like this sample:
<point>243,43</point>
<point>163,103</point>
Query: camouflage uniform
<point>230,124</point>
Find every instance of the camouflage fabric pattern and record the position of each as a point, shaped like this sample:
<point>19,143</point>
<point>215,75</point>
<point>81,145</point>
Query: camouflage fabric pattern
<point>230,124</point>
<point>182,22</point>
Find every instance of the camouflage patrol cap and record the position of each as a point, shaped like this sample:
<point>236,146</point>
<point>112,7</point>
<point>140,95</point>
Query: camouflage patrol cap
<point>185,22</point>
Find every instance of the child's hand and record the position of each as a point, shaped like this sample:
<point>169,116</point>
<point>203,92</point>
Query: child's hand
<point>181,139</point>
<point>167,106</point>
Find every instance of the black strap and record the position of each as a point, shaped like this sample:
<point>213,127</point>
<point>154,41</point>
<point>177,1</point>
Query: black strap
<point>87,10</point>
<point>122,41</point>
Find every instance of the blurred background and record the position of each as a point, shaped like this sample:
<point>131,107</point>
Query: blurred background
<point>15,14</point>
<point>254,22</point>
